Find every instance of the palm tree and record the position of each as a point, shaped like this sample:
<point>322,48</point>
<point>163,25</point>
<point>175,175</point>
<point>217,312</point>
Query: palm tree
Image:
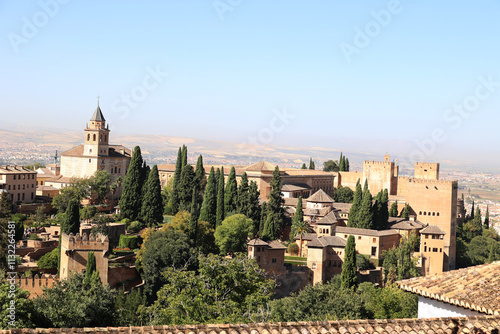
<point>300,228</point>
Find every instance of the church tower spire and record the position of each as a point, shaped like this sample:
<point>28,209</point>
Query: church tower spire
<point>96,135</point>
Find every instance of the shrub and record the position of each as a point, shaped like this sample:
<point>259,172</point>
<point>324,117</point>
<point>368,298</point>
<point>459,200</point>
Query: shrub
<point>293,249</point>
<point>34,236</point>
<point>49,260</point>
<point>363,262</point>
<point>135,227</point>
<point>129,241</point>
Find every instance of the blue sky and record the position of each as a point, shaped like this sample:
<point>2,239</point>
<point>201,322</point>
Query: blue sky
<point>232,63</point>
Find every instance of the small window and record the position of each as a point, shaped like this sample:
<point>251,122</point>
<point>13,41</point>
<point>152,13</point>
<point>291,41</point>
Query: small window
<point>274,260</point>
<point>94,137</point>
<point>23,196</point>
<point>359,237</point>
<point>90,160</point>
<point>425,249</point>
<point>440,250</point>
<point>14,176</point>
<point>345,236</point>
<point>374,240</point>
<point>374,251</point>
<point>437,213</point>
<point>258,249</point>
<point>427,236</point>
<point>435,250</point>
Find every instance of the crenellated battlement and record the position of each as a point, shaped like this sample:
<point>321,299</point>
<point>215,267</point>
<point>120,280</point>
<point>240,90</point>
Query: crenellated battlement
<point>423,164</point>
<point>36,284</point>
<point>432,182</point>
<point>84,242</point>
<point>370,162</point>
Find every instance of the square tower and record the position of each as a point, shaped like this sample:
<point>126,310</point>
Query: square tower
<point>426,170</point>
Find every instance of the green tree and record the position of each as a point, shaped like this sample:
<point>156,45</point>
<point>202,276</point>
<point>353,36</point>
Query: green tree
<point>128,306</point>
<point>49,260</point>
<point>185,187</point>
<point>381,210</point>
<point>91,266</point>
<point>365,213</point>
<point>263,217</point>
<point>330,166</point>
<point>390,302</point>
<point>184,155</point>
<point>341,163</point>
<point>152,204</point>
<point>24,316</point>
<point>243,195</point>
<point>343,195</point>
<point>347,167</point>
<point>88,212</point>
<point>175,186</point>
<point>299,226</point>
<point>303,166</point>
<point>398,261</point>
<point>200,177</point>
<point>220,212</point>
<point>5,205</point>
<point>227,290</point>
<point>320,302</point>
<point>231,236</point>
<point>131,199</point>
<point>253,208</point>
<point>195,214</point>
<point>77,302</point>
<point>406,211</point>
<point>393,211</point>
<point>486,224</point>
<point>67,194</point>
<point>274,220</point>
<point>474,226</point>
<point>71,221</point>
<point>311,164</point>
<point>356,205</point>
<point>349,275</point>
<point>209,205</point>
<point>166,194</point>
<point>162,250</point>
<point>231,193</point>
<point>98,186</point>
<point>472,211</point>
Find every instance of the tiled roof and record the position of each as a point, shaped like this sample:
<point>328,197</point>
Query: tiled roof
<point>76,151</point>
<point>60,179</point>
<point>432,229</point>
<point>404,224</point>
<point>475,288</point>
<point>317,212</point>
<point>320,197</point>
<point>15,169</point>
<point>343,207</point>
<point>290,201</point>
<point>307,236</point>
<point>260,166</point>
<point>362,231</point>
<point>329,219</point>
<point>295,187</point>
<point>45,172</point>
<point>271,244</point>
<point>464,325</point>
<point>325,241</point>
<point>45,188</point>
<point>97,116</point>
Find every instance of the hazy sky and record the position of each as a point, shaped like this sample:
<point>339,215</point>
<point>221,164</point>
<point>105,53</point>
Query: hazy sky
<point>421,73</point>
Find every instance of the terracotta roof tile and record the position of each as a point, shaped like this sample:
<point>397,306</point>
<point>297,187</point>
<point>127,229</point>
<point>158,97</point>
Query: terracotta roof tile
<point>362,231</point>
<point>325,241</point>
<point>320,197</point>
<point>330,219</point>
<point>475,288</point>
<point>465,325</point>
<point>295,187</point>
<point>432,229</point>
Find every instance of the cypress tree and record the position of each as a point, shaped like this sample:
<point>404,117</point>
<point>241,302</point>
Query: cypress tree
<point>178,168</point>
<point>220,213</point>
<point>131,200</point>
<point>365,213</point>
<point>195,214</point>
<point>406,211</point>
<point>356,204</point>
<point>243,195</point>
<point>376,209</point>
<point>341,163</point>
<point>384,211</point>
<point>201,180</point>
<point>346,164</point>
<point>91,265</point>
<point>263,217</point>
<point>303,166</point>
<point>349,276</point>
<point>217,177</point>
<point>274,220</point>
<point>472,211</point>
<point>393,212</point>
<point>253,208</point>
<point>311,164</point>
<point>185,188</point>
<point>152,205</point>
<point>209,205</point>
<point>71,222</point>
<point>184,156</point>
<point>298,217</point>
<point>231,195</point>
<point>487,219</point>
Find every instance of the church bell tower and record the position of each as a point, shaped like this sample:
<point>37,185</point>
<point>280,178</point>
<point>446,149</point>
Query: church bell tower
<point>96,135</point>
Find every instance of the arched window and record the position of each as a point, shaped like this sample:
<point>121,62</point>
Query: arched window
<point>94,137</point>
<point>88,137</point>
<point>90,151</point>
